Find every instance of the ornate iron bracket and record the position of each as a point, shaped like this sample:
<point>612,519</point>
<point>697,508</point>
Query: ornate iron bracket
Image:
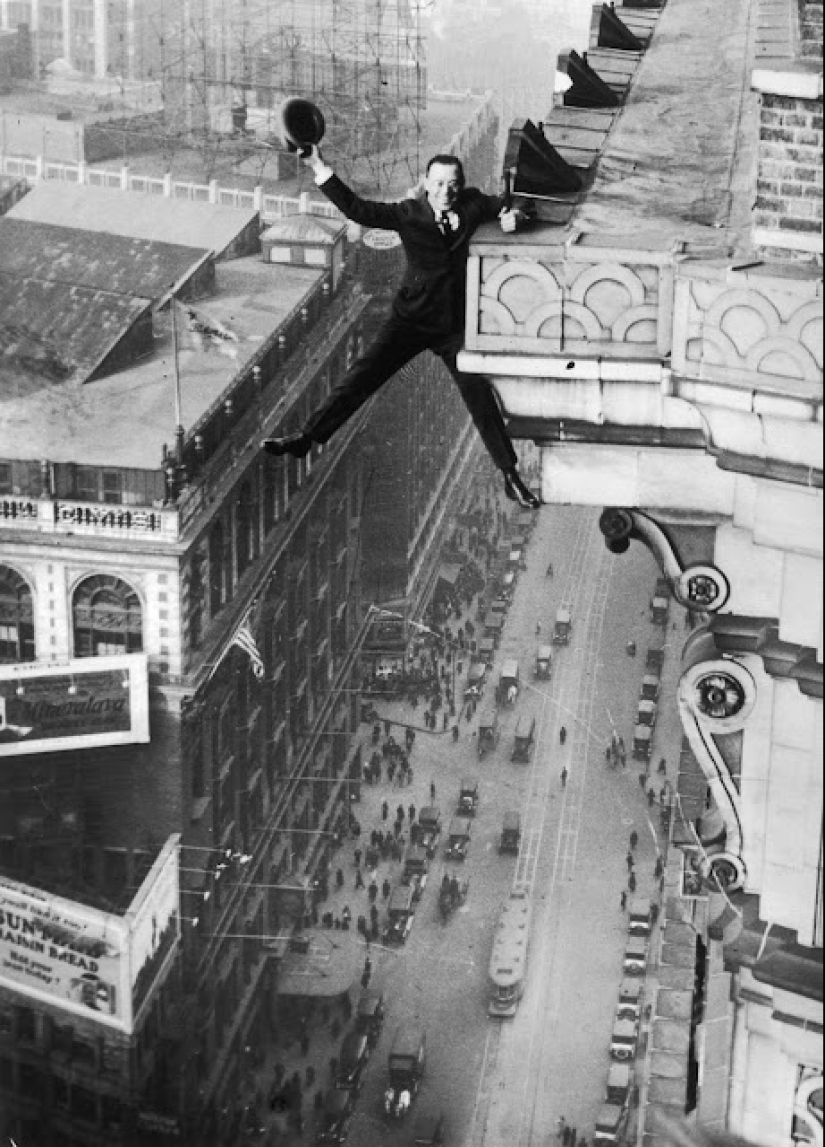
<point>701,587</point>
<point>716,697</point>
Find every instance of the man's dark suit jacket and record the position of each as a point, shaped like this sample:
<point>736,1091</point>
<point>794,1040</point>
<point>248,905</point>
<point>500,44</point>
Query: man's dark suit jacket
<point>432,295</point>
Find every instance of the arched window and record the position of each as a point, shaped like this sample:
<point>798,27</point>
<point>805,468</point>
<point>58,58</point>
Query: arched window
<point>16,617</point>
<point>219,554</point>
<point>107,618</point>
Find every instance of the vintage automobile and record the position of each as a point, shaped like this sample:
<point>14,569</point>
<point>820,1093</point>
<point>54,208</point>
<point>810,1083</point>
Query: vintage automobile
<point>635,956</point>
<point>642,742</point>
<point>524,739</point>
<point>660,602</point>
<point>353,1058</point>
<point>646,713</point>
<point>611,1123</point>
<point>508,683</point>
<point>624,1040</point>
<point>369,1014</point>
<point>429,1131</point>
<point>458,839</point>
<point>486,651</point>
<point>629,1006</point>
<point>407,1058</point>
<point>451,895</point>
<point>400,913</point>
<point>336,1116</point>
<point>655,660</point>
<point>476,676</point>
<point>427,829</point>
<point>416,869</point>
<point>618,1084</point>
<point>467,797</point>
<point>544,662</point>
<point>510,834</point>
<point>488,731</point>
<point>563,627</point>
<point>651,684</point>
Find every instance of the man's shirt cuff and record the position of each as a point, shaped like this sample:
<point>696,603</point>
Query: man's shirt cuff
<point>323,174</point>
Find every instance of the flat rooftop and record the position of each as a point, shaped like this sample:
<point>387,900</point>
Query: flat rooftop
<point>121,264</point>
<point>206,226</point>
<point>124,420</point>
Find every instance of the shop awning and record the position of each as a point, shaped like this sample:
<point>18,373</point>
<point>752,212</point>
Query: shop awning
<point>329,966</point>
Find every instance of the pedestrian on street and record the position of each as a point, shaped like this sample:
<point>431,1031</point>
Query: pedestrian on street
<point>538,628</point>
<point>399,812</point>
<point>565,1136</point>
<point>411,813</point>
<point>359,879</point>
<point>561,1123</point>
<point>564,776</point>
<point>373,891</point>
<point>455,733</point>
<point>549,571</point>
<point>630,862</point>
<point>631,882</point>
<point>445,722</point>
<point>643,780</point>
<point>374,915</point>
<point>432,792</point>
<point>607,754</point>
<point>339,878</point>
<point>662,766</point>
<point>573,1137</point>
<point>386,888</point>
<point>651,797</point>
<point>562,735</point>
<point>385,811</point>
<point>634,840</point>
<point>623,899</point>
<point>356,856</point>
<point>654,913</point>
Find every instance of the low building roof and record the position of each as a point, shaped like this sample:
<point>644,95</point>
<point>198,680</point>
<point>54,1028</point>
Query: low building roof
<point>54,335</point>
<point>117,263</point>
<point>124,420</point>
<point>304,229</point>
<point>209,226</point>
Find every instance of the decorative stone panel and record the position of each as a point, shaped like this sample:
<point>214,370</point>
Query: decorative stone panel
<point>576,300</point>
<point>755,331</point>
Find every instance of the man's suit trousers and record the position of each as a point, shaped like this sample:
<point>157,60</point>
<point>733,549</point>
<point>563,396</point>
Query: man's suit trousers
<point>396,344</point>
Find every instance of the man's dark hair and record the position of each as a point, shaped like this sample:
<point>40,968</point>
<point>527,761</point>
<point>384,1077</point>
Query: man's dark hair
<point>448,161</point>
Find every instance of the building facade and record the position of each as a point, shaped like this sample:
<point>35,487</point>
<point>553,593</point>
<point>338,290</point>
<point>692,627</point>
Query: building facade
<point>232,579</point>
<point>657,334</point>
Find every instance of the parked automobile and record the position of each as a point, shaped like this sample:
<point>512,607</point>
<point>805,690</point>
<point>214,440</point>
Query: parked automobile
<point>353,1058</point>
<point>655,660</point>
<point>427,829</point>
<point>508,683</point>
<point>429,1131</point>
<point>468,797</point>
<point>544,662</point>
<point>488,731</point>
<point>640,916</point>
<point>651,683</point>
<point>646,713</point>
<point>624,1039</point>
<point>416,867</point>
<point>369,1014</point>
<point>510,833</point>
<point>524,739</point>
<point>406,1061</point>
<point>401,913</point>
<point>642,742</point>
<point>618,1084</point>
<point>635,956</point>
<point>562,628</point>
<point>476,676</point>
<point>629,1006</point>
<point>336,1116</point>
<point>458,839</point>
<point>610,1124</point>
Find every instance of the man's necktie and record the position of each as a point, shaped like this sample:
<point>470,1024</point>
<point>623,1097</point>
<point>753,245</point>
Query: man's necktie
<point>446,224</point>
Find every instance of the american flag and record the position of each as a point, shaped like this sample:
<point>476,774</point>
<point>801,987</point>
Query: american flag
<point>245,640</point>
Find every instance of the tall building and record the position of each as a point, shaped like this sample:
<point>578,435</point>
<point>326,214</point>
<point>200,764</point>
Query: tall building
<point>657,333</point>
<point>179,634</point>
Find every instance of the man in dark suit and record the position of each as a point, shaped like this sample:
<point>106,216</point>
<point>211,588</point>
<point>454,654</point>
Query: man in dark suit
<point>428,311</point>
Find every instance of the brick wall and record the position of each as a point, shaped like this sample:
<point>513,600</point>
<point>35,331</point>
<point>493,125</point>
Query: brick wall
<point>810,28</point>
<point>789,182</point>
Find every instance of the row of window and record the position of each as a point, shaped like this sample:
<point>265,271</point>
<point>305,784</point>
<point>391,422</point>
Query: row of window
<point>107,617</point>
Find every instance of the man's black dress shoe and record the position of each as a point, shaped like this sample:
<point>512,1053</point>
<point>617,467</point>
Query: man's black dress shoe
<point>516,490</point>
<point>299,445</point>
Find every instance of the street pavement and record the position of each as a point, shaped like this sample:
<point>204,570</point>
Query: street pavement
<point>506,1083</point>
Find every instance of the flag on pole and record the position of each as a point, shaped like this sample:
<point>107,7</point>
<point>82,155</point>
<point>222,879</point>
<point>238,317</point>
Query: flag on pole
<point>244,639</point>
<point>203,331</point>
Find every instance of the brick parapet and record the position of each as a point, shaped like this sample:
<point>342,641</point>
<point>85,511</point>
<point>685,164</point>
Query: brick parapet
<point>788,207</point>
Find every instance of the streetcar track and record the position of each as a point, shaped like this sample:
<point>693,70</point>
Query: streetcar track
<point>535,816</point>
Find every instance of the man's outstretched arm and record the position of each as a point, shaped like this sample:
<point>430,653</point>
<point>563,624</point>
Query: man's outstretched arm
<point>367,212</point>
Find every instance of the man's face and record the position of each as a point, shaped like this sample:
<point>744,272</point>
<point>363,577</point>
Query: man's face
<point>443,185</point>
